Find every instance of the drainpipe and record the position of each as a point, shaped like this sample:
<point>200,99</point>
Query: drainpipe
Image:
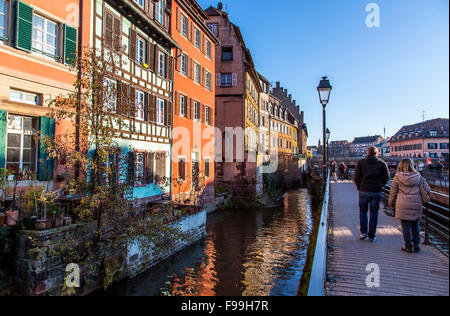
<point>78,109</point>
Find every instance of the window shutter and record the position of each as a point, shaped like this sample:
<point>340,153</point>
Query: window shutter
<point>147,107</point>
<point>151,9</point>
<point>108,29</point>
<point>24,26</point>
<point>152,108</point>
<point>132,102</point>
<point>171,68</point>
<point>123,107</point>
<point>193,109</point>
<point>178,19</point>
<point>3,124</point>
<point>169,113</point>
<point>234,79</point>
<point>177,103</point>
<point>166,64</point>
<point>203,113</point>
<point>70,45</point>
<point>132,52</point>
<point>149,167</point>
<point>202,44</point>
<point>152,61</point>
<point>117,33</point>
<point>46,164</point>
<point>131,174</point>
<point>218,79</point>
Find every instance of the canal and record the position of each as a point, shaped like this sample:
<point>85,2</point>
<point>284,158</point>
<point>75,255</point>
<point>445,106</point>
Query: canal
<point>247,252</point>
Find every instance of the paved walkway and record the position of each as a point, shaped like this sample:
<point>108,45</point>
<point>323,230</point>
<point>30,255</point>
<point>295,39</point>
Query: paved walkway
<point>401,274</point>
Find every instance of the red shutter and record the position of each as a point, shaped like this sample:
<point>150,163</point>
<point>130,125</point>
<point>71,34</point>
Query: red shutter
<point>178,19</point>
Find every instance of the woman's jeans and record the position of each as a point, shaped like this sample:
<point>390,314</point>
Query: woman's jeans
<point>411,228</point>
<point>369,200</point>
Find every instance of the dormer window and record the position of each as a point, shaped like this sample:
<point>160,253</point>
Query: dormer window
<point>433,133</point>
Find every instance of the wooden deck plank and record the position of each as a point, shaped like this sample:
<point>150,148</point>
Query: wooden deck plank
<point>401,274</point>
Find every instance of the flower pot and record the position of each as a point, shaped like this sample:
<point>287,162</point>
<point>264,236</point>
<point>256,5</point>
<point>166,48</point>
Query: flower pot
<point>59,221</point>
<point>12,218</point>
<point>2,219</point>
<point>43,224</point>
<point>67,221</point>
<point>29,223</point>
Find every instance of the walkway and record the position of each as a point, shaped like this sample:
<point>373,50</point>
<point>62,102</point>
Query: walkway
<point>401,274</point>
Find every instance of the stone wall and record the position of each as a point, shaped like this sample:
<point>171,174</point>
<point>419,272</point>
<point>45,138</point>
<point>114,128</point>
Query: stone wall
<point>42,257</point>
<point>194,225</point>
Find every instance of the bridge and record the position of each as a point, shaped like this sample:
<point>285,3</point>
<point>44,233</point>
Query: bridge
<point>345,266</point>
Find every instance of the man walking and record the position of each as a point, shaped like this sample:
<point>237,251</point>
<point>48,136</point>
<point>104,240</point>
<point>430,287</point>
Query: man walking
<point>372,174</point>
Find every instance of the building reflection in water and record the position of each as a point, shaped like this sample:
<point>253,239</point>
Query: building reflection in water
<point>250,252</point>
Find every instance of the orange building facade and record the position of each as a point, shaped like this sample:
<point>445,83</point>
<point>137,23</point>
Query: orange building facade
<point>194,103</point>
<point>38,45</point>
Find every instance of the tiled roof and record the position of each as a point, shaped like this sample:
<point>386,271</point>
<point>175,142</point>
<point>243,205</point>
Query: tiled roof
<point>365,140</point>
<point>436,128</point>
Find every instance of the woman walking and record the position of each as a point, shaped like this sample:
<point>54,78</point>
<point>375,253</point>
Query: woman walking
<point>408,193</point>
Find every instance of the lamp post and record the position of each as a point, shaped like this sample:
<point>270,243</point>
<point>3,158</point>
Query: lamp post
<point>324,90</point>
<point>328,134</point>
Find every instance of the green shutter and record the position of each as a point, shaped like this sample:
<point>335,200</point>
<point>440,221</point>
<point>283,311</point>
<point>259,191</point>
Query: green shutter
<point>3,131</point>
<point>24,26</point>
<point>70,45</point>
<point>46,166</point>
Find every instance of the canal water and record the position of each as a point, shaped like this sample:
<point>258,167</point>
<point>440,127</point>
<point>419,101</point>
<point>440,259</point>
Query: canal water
<point>247,252</point>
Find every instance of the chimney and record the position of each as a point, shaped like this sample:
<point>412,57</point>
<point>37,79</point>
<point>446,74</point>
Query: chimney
<point>220,6</point>
<point>278,84</point>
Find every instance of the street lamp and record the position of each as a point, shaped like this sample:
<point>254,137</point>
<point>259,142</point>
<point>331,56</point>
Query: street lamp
<point>324,90</point>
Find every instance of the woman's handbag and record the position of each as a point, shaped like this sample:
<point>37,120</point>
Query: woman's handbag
<point>425,195</point>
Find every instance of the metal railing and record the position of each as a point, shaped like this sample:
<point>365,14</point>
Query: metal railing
<point>318,277</point>
<point>436,178</point>
<point>435,218</point>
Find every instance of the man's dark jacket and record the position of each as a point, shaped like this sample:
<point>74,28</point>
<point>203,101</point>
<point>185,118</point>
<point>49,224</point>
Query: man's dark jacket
<point>372,174</point>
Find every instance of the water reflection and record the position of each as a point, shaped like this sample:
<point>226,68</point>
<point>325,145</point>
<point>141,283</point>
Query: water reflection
<point>247,252</point>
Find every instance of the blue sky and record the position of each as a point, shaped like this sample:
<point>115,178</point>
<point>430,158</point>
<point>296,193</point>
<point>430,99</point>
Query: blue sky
<point>384,76</point>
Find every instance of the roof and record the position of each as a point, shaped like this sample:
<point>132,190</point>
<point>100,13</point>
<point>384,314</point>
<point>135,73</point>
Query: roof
<point>367,139</point>
<point>437,128</point>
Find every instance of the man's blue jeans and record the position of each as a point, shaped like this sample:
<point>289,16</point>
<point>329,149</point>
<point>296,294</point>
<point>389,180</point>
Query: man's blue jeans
<point>369,201</point>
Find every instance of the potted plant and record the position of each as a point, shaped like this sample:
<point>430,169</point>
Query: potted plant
<point>58,214</point>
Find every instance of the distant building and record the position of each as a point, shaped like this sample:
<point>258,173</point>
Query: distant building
<point>340,148</point>
<point>426,139</point>
<point>384,148</point>
<point>313,150</point>
<point>360,145</point>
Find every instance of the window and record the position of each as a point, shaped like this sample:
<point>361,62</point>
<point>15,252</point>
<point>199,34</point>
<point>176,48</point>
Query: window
<point>182,168</point>
<point>3,19</point>
<point>208,115</point>
<point>195,170</point>
<point>196,110</point>
<point>444,145</point>
<point>214,27</point>
<point>140,3</point>
<point>162,64</point>
<point>226,80</point>
<point>227,53</point>
<point>182,105</point>
<point>109,95</point>
<point>139,168</point>
<point>197,38</point>
<point>197,73</point>
<point>207,167</point>
<point>433,133</point>
<point>160,111</point>
<point>208,49</point>
<point>21,151</point>
<point>140,101</point>
<point>45,36</point>
<point>183,64</point>
<point>141,49</point>
<point>159,11</point>
<point>432,146</point>
<point>24,97</point>
<point>208,80</point>
<point>184,25</point>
